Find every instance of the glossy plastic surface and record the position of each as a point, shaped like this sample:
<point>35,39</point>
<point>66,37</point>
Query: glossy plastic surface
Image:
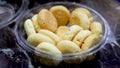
<point>11,11</point>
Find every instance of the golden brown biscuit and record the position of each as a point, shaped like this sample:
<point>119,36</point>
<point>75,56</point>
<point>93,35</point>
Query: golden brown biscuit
<point>35,22</point>
<point>83,10</point>
<point>81,36</point>
<point>73,30</point>
<point>54,53</point>
<point>91,41</point>
<point>66,46</point>
<point>96,27</point>
<point>61,31</point>
<point>29,28</point>
<point>81,19</point>
<point>50,34</point>
<point>37,38</point>
<point>46,20</point>
<point>61,13</point>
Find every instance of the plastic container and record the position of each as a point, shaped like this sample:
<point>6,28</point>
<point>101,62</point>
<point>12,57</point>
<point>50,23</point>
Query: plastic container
<point>74,58</point>
<point>11,11</point>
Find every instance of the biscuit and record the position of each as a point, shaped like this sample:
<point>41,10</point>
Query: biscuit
<point>96,27</point>
<point>66,46</point>
<point>81,19</point>
<point>81,36</point>
<point>37,38</point>
<point>61,13</point>
<point>35,22</point>
<point>91,41</point>
<point>29,28</point>
<point>73,30</point>
<point>50,34</point>
<point>54,53</point>
<point>91,19</point>
<point>46,20</point>
<point>60,32</point>
<point>83,10</point>
<point>48,47</point>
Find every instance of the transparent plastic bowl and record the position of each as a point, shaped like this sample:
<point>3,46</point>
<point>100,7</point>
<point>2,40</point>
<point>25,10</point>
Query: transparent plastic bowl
<point>11,11</point>
<point>45,57</point>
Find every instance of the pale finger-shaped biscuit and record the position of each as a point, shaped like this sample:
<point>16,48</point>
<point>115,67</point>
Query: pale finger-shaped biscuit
<point>78,18</point>
<point>91,19</point>
<point>91,41</point>
<point>81,36</point>
<point>73,30</point>
<point>61,13</point>
<point>66,46</point>
<point>46,20</point>
<point>83,10</point>
<point>29,28</point>
<point>37,38</point>
<point>50,34</point>
<point>61,31</point>
<point>35,22</point>
<point>96,27</point>
<point>54,52</point>
<point>48,47</point>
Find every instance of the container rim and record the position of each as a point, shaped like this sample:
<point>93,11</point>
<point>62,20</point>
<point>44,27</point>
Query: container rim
<point>21,41</point>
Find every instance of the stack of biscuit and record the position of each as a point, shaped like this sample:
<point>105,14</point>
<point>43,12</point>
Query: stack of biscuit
<point>57,30</point>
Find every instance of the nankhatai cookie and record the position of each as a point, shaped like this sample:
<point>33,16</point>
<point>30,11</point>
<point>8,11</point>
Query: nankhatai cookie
<point>91,41</point>
<point>81,19</point>
<point>61,31</point>
<point>61,13</point>
<point>83,10</point>
<point>29,28</point>
<point>81,36</point>
<point>96,27</point>
<point>50,34</point>
<point>35,22</point>
<point>72,31</point>
<point>66,46</point>
<point>53,51</point>
<point>46,20</point>
<point>37,38</point>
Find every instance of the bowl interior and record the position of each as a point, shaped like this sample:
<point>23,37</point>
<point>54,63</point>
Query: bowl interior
<point>21,35</point>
